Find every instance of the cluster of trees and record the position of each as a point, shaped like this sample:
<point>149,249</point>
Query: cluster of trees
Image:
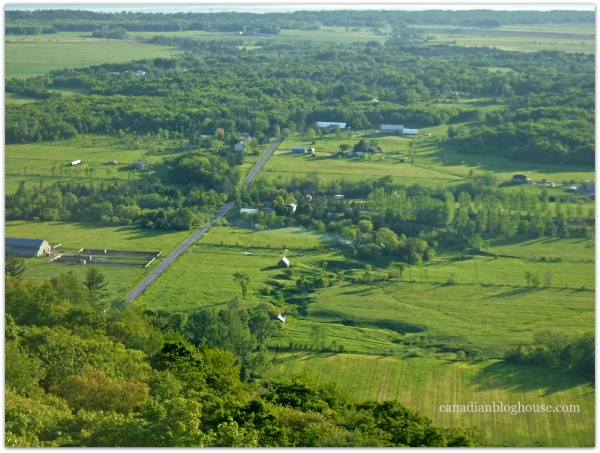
<point>110,33</point>
<point>408,222</point>
<point>570,140</point>
<point>556,349</point>
<point>81,370</point>
<point>144,203</point>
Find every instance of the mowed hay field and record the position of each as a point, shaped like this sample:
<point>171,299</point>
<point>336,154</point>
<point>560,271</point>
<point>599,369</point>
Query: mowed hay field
<point>426,383</point>
<point>573,37</point>
<point>74,236</point>
<point>35,55</point>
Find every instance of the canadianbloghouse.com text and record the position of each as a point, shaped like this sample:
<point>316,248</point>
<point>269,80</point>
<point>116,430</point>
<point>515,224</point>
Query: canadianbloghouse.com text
<point>512,409</point>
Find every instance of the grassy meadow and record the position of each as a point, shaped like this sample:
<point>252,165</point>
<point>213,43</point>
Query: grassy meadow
<point>574,37</point>
<point>435,163</point>
<point>34,55</point>
<point>426,383</point>
<point>213,260</point>
<point>47,162</point>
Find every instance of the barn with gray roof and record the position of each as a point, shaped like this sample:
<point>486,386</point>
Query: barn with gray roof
<point>26,247</point>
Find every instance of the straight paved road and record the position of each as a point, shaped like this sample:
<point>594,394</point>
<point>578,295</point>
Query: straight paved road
<point>155,273</point>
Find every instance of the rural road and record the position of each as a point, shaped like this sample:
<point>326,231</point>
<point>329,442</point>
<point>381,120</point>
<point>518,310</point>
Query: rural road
<point>169,259</point>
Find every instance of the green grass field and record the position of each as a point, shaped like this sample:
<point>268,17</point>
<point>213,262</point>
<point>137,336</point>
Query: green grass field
<point>74,236</point>
<point>212,261</point>
<point>28,56</point>
<point>435,164</point>
<point>427,383</point>
<point>50,161</point>
<point>527,38</point>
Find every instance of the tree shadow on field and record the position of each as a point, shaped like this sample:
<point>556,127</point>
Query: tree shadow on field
<point>514,292</point>
<point>524,378</point>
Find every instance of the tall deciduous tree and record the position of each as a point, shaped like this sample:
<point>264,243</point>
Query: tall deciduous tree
<point>243,279</point>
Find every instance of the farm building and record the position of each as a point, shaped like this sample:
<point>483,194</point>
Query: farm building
<point>311,151</point>
<point>139,73</point>
<point>26,247</point>
<point>338,197</point>
<point>391,129</point>
<point>396,129</point>
<point>283,262</point>
<point>249,211</point>
<point>330,126</point>
<point>112,162</point>
<point>292,207</point>
<point>239,145</point>
<point>138,166</point>
<point>520,179</point>
<point>298,150</point>
<point>75,163</point>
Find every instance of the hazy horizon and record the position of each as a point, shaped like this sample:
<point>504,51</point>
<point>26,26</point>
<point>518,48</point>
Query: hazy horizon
<point>282,7</point>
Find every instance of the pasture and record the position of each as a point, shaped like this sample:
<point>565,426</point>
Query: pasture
<point>324,34</point>
<point>575,37</point>
<point>29,56</point>
<point>425,383</point>
<point>212,261</point>
<point>434,164</point>
<point>48,162</point>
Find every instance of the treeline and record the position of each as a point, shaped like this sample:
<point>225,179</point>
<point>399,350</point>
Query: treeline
<point>556,349</point>
<point>271,23</point>
<point>81,371</point>
<point>146,203</point>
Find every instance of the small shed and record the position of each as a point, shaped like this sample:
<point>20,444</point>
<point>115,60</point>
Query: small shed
<point>239,145</point>
<point>249,211</point>
<point>112,162</point>
<point>26,247</point>
<point>292,207</point>
<point>283,262</point>
<point>75,163</point>
<point>298,150</point>
<point>338,197</point>
<point>281,317</point>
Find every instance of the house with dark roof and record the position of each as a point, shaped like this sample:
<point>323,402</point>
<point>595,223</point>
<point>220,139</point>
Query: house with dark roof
<point>26,247</point>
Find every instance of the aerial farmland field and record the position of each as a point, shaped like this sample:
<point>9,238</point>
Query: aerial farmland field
<point>29,56</point>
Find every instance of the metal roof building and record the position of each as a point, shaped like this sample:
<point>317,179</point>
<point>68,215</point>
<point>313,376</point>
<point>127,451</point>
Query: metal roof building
<point>26,247</point>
